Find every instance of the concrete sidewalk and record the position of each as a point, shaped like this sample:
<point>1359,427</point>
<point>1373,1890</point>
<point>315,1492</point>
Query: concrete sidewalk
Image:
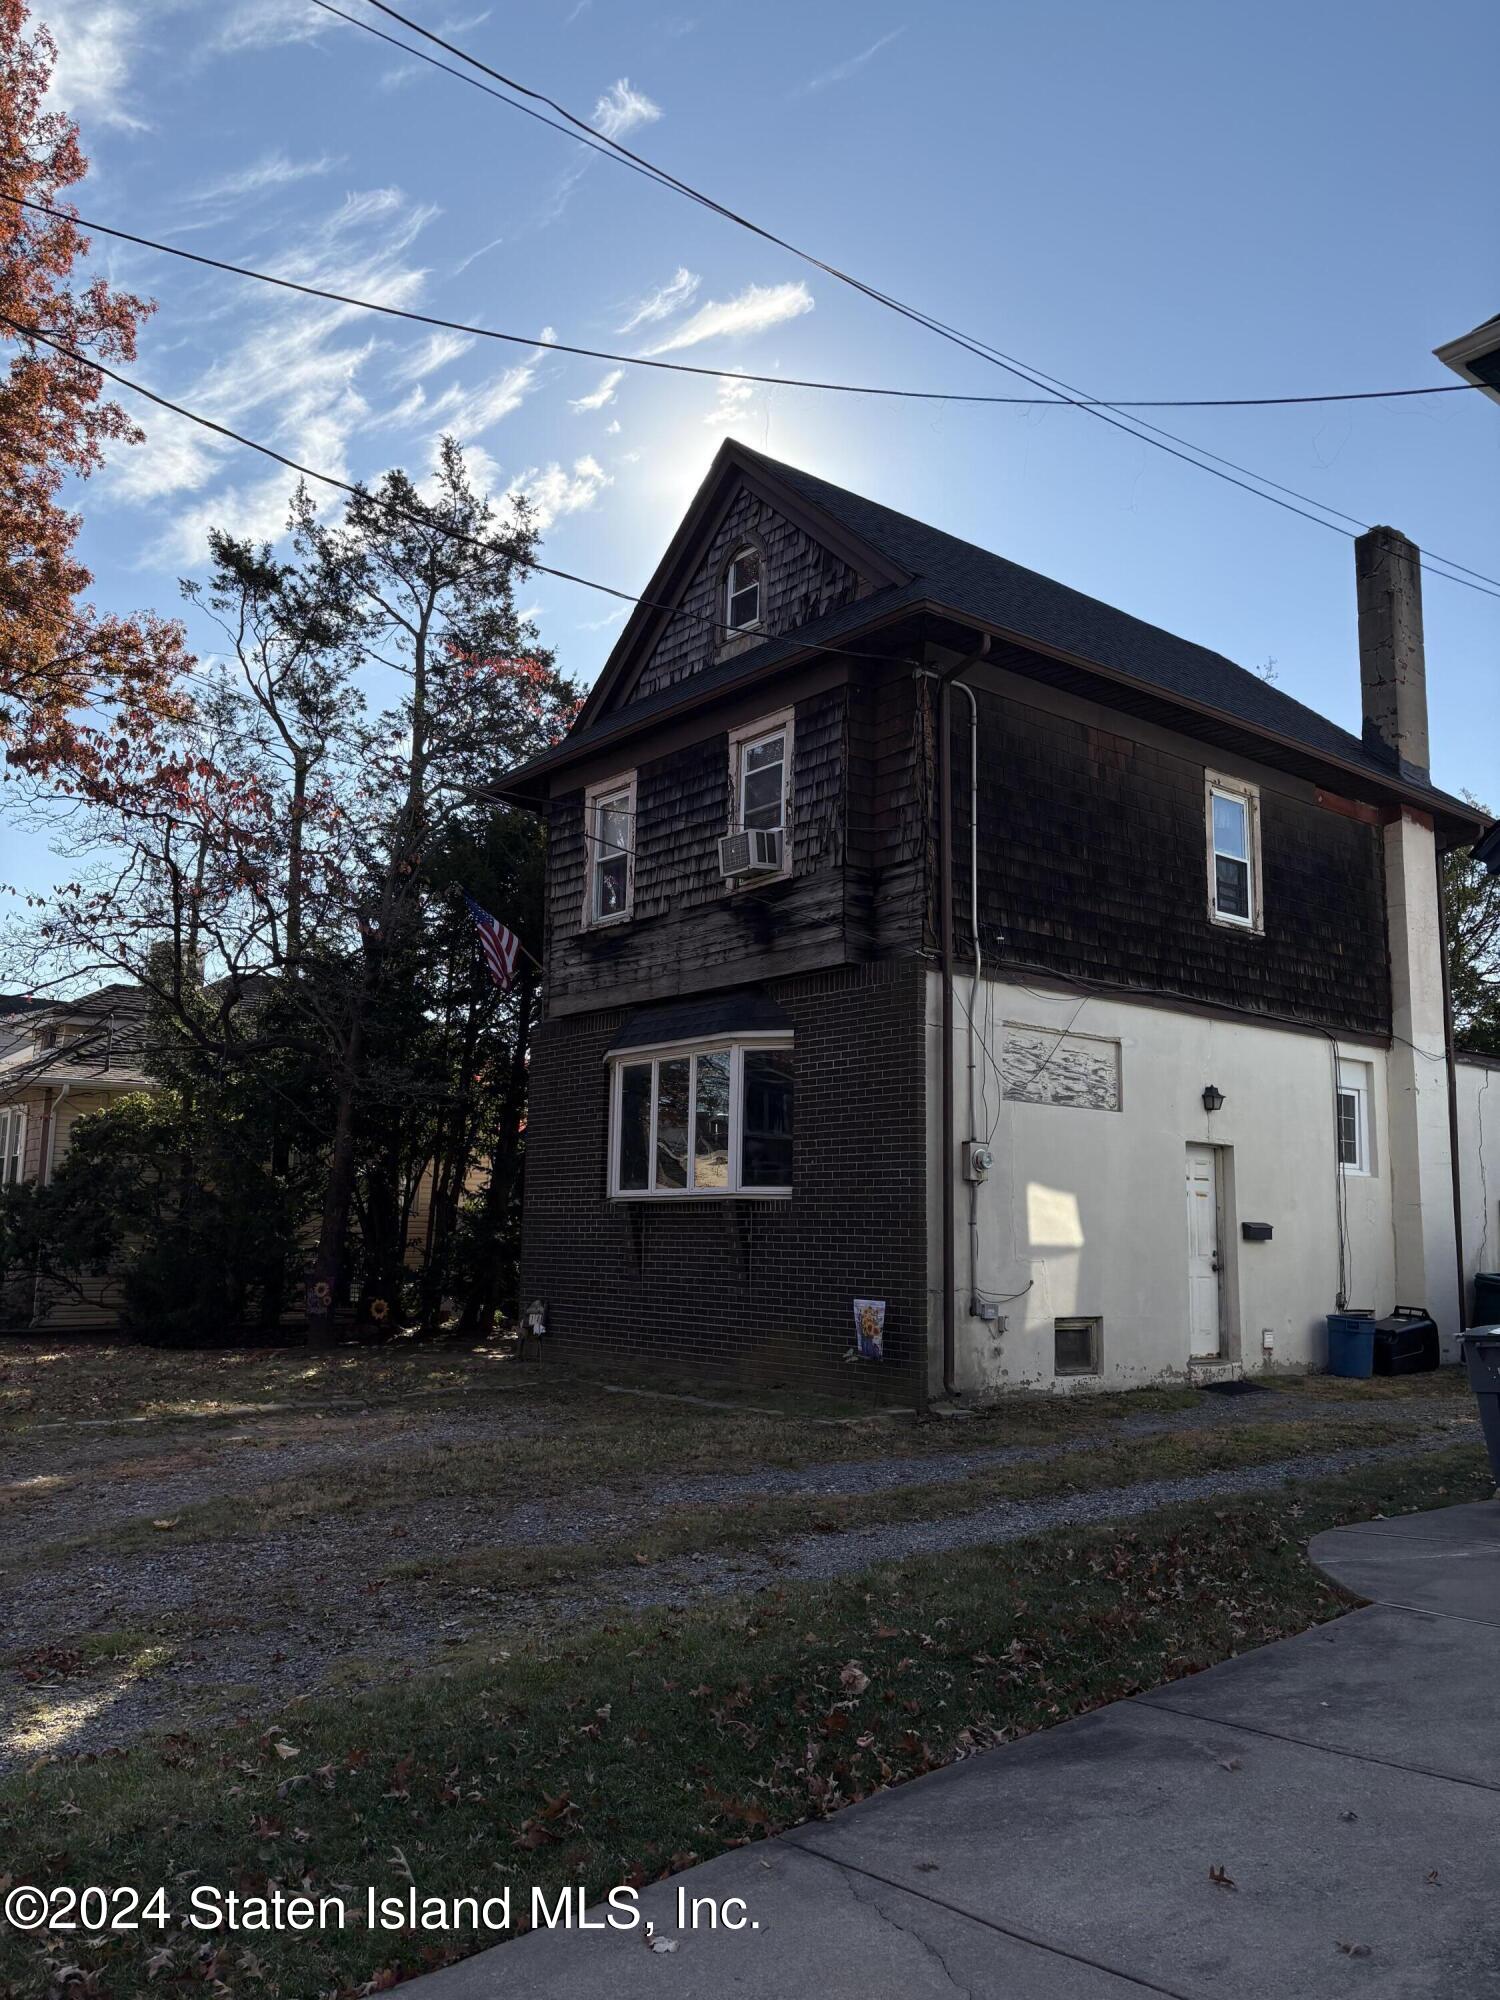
<point>1346,1782</point>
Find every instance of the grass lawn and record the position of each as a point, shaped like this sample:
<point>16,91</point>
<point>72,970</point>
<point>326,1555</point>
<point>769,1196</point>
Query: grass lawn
<point>629,1749</point>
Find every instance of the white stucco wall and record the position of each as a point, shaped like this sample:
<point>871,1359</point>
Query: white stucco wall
<point>1088,1206</point>
<point>1479,1165</point>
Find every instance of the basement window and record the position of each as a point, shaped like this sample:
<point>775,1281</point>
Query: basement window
<point>1233,811</point>
<point>714,1120</point>
<point>609,848</point>
<point>1077,1345</point>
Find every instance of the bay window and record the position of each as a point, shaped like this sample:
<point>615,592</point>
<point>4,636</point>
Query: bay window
<point>711,1120</point>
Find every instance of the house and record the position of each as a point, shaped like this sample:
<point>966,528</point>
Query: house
<point>1476,357</point>
<point>58,1061</point>
<point>920,930</point>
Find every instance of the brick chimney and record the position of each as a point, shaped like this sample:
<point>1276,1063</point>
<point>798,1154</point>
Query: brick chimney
<point>1392,660</point>
<point>1393,685</point>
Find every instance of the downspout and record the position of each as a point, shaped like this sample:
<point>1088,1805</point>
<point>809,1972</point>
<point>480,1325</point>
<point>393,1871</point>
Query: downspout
<point>945,896</point>
<point>1452,1067</point>
<point>964,688</point>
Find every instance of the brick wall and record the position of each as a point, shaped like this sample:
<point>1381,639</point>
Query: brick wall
<point>761,1289</point>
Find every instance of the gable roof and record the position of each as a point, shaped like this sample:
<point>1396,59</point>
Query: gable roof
<point>920,565</point>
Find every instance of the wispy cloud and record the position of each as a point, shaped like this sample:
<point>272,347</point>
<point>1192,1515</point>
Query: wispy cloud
<point>275,170</point>
<point>605,393</point>
<point>679,291</point>
<point>756,308</point>
<point>731,403</point>
<point>435,352</point>
<point>621,109</point>
<point>469,413</point>
<point>286,370</point>
<point>841,72</point>
<point>97,41</point>
<point>266,24</point>
<point>551,491</point>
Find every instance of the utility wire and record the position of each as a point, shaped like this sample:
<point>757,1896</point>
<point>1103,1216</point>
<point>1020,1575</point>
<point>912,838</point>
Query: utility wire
<point>578,128</point>
<point>422,521</point>
<point>1048,401</point>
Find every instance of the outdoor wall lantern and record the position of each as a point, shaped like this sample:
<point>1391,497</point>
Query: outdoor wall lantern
<point>1213,1097</point>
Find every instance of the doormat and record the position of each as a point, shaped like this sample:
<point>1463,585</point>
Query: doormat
<point>1238,1387</point>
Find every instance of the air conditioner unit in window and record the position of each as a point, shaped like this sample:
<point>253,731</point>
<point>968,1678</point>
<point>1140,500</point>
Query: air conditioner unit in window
<point>754,852</point>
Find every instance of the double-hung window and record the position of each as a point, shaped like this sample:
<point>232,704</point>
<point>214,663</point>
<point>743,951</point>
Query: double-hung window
<point>12,1144</point>
<point>710,1120</point>
<point>742,585</point>
<point>609,845</point>
<point>760,780</point>
<point>1356,1148</point>
<point>1233,853</point>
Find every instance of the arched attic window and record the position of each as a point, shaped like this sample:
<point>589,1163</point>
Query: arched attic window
<point>744,582</point>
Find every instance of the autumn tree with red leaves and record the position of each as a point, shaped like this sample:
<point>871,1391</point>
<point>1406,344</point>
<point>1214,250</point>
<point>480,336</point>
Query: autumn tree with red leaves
<point>82,692</point>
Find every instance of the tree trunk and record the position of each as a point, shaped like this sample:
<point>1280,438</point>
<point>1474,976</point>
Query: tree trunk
<point>338,1194</point>
<point>483,1295</point>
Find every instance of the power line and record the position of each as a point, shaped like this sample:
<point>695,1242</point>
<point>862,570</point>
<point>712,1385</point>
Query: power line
<point>403,513</point>
<point>1049,401</point>
<point>577,128</point>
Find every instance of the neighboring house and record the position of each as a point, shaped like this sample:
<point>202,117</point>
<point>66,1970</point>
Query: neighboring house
<point>58,1061</point>
<point>1207,1093</point>
<point>1476,356</point>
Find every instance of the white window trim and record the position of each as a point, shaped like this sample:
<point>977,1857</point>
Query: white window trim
<point>1355,1080</point>
<point>1248,795</point>
<point>783,722</point>
<point>12,1144</point>
<point>757,623</point>
<point>737,1047</point>
<point>592,798</point>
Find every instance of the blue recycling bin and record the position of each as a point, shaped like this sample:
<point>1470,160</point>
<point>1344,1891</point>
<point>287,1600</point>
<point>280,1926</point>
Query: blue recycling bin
<point>1351,1344</point>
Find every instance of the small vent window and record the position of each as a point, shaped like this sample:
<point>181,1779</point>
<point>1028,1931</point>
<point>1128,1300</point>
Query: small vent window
<point>742,591</point>
<point>1076,1345</point>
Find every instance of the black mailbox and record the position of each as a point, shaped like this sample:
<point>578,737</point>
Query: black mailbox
<point>1256,1232</point>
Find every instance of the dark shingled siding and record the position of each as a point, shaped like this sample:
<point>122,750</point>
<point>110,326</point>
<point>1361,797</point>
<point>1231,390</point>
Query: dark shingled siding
<point>800,582</point>
<point>1093,864</point>
<point>690,931</point>
<point>763,1288</point>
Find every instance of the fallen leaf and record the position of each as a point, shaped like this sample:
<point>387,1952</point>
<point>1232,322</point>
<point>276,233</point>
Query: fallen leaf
<point>1354,1950</point>
<point>1220,1878</point>
<point>167,1524</point>
<point>853,1679</point>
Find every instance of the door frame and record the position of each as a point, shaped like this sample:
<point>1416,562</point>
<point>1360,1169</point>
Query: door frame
<point>1228,1261</point>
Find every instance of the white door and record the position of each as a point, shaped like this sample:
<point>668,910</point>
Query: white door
<point>1204,1298</point>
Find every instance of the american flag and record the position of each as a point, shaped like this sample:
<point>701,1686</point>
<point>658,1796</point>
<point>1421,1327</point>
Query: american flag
<point>501,947</point>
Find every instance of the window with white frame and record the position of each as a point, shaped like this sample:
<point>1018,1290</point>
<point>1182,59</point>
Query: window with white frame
<point>12,1144</point>
<point>710,1120</point>
<point>760,777</point>
<point>1356,1138</point>
<point>742,587</point>
<point>1233,853</point>
<point>609,844</point>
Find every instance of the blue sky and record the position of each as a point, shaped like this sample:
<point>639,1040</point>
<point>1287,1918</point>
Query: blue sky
<point>1150,200</point>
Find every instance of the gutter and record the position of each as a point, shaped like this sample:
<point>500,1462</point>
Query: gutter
<point>946,683</point>
<point>1451,1065</point>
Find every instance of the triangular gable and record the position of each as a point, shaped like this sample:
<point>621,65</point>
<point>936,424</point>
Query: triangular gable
<point>813,565</point>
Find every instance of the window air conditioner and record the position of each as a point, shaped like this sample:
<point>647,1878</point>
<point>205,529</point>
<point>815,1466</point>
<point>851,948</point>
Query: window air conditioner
<point>754,852</point>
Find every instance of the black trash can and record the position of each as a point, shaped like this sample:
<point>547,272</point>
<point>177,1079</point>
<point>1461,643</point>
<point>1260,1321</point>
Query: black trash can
<point>1406,1342</point>
<point>1481,1345</point>
<point>1487,1298</point>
